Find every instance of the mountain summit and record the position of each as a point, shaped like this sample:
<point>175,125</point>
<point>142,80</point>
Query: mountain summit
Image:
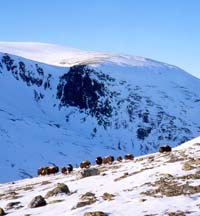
<point>61,105</point>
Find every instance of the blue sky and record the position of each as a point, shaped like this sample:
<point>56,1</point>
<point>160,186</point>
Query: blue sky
<point>164,30</point>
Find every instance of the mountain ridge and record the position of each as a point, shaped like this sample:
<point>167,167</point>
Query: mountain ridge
<point>66,56</point>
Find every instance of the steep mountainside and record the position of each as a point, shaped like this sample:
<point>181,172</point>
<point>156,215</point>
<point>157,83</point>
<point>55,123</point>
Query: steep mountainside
<point>160,184</point>
<point>96,104</point>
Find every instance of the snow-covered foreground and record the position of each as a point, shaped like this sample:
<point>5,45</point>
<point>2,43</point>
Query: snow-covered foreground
<point>156,184</point>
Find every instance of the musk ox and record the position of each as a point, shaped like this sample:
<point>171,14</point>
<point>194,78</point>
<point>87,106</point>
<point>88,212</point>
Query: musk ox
<point>85,164</point>
<point>128,157</point>
<point>108,159</point>
<point>48,170</point>
<point>99,160</point>
<point>165,148</point>
<point>69,168</point>
<point>64,170</point>
<point>119,158</point>
<point>40,171</point>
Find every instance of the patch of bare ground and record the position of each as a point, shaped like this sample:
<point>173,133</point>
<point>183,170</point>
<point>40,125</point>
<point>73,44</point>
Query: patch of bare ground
<point>175,158</point>
<point>179,213</point>
<point>126,174</point>
<point>169,186</point>
<point>151,215</point>
<point>55,201</point>
<point>45,182</point>
<point>191,164</point>
<point>10,195</point>
<point>109,167</point>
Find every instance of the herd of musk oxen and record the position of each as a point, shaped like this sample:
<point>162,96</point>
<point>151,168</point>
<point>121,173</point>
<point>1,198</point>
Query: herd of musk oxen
<point>86,164</point>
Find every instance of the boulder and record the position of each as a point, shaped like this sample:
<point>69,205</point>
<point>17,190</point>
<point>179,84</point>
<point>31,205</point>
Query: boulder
<point>60,188</point>
<point>2,212</point>
<point>86,199</point>
<point>37,201</point>
<point>89,172</point>
<point>108,196</point>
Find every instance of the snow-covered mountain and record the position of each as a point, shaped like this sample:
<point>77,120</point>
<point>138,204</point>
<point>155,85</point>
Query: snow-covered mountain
<point>157,184</point>
<point>61,105</point>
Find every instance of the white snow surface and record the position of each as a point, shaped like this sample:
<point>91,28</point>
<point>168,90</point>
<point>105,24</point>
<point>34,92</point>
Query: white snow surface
<point>66,56</point>
<point>128,181</point>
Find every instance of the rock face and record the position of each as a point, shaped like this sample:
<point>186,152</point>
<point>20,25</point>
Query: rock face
<point>37,201</point>
<point>61,188</point>
<point>77,88</point>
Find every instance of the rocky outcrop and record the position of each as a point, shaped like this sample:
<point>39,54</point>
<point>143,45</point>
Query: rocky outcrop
<point>37,201</point>
<point>60,189</point>
<point>88,172</point>
<point>86,199</point>
<point>86,89</point>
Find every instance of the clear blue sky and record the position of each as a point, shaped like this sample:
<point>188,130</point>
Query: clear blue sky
<point>165,30</point>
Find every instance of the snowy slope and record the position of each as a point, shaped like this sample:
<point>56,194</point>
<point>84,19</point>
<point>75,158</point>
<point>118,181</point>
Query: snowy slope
<point>67,56</point>
<point>52,114</point>
<point>157,184</point>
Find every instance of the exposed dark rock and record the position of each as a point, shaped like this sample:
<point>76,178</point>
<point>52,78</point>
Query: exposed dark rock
<point>2,212</point>
<point>61,188</point>
<point>89,172</point>
<point>142,133</point>
<point>80,89</point>
<point>86,199</point>
<point>37,201</point>
<point>95,213</point>
<point>12,205</point>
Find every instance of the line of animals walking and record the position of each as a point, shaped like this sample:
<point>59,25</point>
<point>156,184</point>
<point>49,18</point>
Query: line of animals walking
<point>86,164</point>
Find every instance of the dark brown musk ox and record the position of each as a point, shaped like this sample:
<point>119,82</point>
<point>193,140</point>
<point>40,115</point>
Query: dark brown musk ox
<point>128,157</point>
<point>165,148</point>
<point>54,169</point>
<point>119,158</point>
<point>40,171</point>
<point>85,164</point>
<point>69,168</point>
<point>108,159</point>
<point>99,160</point>
<point>64,170</point>
<point>48,170</point>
